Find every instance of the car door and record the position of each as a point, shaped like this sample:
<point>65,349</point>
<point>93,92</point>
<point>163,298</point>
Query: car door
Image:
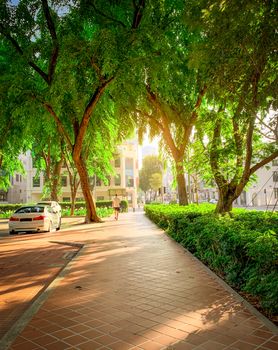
<point>54,217</point>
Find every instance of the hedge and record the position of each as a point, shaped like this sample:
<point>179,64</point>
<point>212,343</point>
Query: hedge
<point>242,249</point>
<point>10,208</point>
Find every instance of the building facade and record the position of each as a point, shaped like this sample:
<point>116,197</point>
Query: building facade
<point>124,182</point>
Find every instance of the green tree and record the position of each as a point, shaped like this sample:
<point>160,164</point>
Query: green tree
<point>167,93</point>
<point>239,51</point>
<point>151,165</point>
<point>67,57</point>
<point>156,182</point>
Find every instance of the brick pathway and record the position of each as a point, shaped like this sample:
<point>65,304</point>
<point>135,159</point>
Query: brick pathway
<point>28,263</point>
<point>131,287</point>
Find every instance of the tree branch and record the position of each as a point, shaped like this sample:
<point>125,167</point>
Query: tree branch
<point>187,127</point>
<point>107,16</point>
<point>52,31</point>
<point>86,117</point>
<point>165,126</point>
<point>138,13</point>
<point>59,124</point>
<point>20,51</point>
<point>263,162</point>
<point>219,178</point>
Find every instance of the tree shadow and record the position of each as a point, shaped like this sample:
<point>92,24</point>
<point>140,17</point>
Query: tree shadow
<point>141,287</point>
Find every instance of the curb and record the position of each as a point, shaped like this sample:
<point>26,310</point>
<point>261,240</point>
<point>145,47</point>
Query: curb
<point>21,323</point>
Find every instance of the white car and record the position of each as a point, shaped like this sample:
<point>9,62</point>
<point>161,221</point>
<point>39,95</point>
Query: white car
<point>56,208</point>
<point>213,201</point>
<point>34,218</point>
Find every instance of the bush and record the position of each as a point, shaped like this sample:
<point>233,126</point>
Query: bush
<point>6,210</point>
<point>124,206</point>
<point>243,249</point>
<point>99,204</point>
<point>101,212</point>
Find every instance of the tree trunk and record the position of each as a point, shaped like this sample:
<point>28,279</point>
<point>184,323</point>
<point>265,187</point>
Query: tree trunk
<point>72,205</point>
<point>182,193</point>
<point>85,185</point>
<point>56,175</point>
<point>74,184</point>
<point>226,198</point>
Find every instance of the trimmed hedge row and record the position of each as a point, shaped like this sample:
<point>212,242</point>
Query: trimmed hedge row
<point>242,249</point>
<point>7,208</point>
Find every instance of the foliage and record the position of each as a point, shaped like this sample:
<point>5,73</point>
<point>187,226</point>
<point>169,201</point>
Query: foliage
<point>81,211</point>
<point>239,52</point>
<point>124,205</point>
<point>242,249</point>
<point>151,165</point>
<point>156,181</point>
<point>63,62</point>
<point>7,209</point>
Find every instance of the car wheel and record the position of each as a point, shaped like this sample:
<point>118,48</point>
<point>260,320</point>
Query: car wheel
<point>12,232</point>
<point>59,226</point>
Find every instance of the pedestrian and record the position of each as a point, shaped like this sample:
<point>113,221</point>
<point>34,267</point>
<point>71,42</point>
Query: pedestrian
<point>116,206</point>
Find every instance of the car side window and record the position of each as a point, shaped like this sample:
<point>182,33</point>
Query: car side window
<point>50,210</point>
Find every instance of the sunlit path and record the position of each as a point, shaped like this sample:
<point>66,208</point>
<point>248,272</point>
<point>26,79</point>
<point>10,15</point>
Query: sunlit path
<point>131,287</point>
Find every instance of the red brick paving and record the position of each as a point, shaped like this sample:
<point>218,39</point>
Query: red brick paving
<point>28,263</point>
<point>131,287</point>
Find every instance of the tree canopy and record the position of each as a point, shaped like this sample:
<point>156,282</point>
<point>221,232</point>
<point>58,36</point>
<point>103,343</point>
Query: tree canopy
<point>202,75</point>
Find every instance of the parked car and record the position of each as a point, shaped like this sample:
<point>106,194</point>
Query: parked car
<point>213,201</point>
<point>34,218</point>
<point>56,208</point>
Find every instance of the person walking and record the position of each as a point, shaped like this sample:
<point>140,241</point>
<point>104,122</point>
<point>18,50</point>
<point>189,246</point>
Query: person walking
<point>116,206</point>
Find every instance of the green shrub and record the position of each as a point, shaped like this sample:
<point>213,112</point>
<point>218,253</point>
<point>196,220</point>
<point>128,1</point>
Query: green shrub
<point>124,206</point>
<point>99,204</point>
<point>243,249</point>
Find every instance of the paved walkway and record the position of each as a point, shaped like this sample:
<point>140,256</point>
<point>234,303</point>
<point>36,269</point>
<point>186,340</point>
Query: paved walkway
<point>132,287</point>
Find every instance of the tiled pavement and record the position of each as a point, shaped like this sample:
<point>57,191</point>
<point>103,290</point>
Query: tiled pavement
<point>28,263</point>
<point>131,287</point>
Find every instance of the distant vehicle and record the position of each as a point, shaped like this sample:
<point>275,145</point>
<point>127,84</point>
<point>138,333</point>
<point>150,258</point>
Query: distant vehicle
<point>56,208</point>
<point>213,201</point>
<point>34,218</point>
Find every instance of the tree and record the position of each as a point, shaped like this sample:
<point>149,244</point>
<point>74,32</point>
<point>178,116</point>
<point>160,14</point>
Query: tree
<point>69,56</point>
<point>151,165</point>
<point>156,182</point>
<point>14,126</point>
<point>167,93</point>
<point>240,51</point>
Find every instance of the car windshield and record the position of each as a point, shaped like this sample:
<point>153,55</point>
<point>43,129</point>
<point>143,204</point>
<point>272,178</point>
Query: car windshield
<point>34,209</point>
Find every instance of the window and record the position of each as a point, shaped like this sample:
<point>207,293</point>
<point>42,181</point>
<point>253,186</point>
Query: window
<point>117,180</point>
<point>275,162</point>
<point>129,163</point>
<point>36,182</point>
<point>20,178</point>
<point>117,162</point>
<point>100,198</point>
<point>3,196</point>
<point>129,181</point>
<point>98,181</point>
<point>275,192</point>
<point>64,181</point>
<point>275,176</point>
<point>17,178</point>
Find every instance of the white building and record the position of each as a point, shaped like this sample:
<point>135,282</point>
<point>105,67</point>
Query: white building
<point>28,188</point>
<point>265,191</point>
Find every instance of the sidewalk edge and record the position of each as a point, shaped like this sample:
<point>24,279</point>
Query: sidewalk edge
<point>271,326</point>
<point>21,323</point>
